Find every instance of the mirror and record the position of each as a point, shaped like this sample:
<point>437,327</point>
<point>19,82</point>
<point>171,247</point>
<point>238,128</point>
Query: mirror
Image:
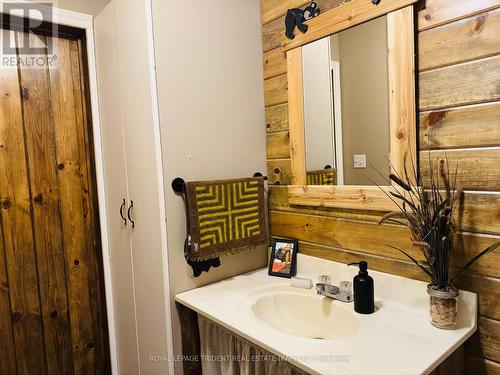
<point>346,106</point>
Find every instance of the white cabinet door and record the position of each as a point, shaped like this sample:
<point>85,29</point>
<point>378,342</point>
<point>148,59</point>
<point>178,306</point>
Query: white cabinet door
<point>143,164</point>
<point>115,173</point>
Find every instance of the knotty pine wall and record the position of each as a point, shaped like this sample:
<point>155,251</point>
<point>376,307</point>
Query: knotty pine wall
<point>459,99</point>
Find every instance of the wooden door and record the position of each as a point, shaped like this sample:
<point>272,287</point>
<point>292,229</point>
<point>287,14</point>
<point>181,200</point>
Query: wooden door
<point>52,305</point>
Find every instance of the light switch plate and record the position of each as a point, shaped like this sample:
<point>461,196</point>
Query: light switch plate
<point>360,161</point>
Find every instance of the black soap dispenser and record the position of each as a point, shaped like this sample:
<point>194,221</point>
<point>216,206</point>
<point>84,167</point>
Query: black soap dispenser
<point>363,290</point>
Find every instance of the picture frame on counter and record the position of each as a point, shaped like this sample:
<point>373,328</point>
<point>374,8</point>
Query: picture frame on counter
<point>283,259</point>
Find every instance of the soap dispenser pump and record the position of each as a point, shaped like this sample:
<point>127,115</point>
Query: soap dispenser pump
<point>363,290</point>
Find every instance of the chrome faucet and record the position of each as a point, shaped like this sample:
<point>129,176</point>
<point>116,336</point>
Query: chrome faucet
<point>342,293</point>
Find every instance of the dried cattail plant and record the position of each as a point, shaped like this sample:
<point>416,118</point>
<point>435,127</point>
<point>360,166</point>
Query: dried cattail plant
<point>428,213</point>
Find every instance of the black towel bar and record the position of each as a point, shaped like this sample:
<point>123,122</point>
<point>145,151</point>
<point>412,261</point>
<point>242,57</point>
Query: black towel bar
<point>258,174</point>
<point>179,185</point>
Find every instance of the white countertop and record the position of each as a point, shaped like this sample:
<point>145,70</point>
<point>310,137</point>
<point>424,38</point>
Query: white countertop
<point>397,339</point>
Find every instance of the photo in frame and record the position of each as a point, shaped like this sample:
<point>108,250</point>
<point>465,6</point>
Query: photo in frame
<point>283,261</point>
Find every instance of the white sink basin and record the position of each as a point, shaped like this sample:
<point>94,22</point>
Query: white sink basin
<point>288,322</point>
<point>307,316</point>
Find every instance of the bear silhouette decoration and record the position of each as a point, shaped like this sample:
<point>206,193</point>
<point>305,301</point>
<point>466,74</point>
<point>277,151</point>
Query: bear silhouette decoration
<point>296,17</point>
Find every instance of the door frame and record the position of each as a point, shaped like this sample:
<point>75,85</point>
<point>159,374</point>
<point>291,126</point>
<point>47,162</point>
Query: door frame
<point>337,119</point>
<point>85,22</point>
<point>155,108</point>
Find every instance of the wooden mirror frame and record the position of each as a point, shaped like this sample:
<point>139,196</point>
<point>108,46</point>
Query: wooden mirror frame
<point>402,104</point>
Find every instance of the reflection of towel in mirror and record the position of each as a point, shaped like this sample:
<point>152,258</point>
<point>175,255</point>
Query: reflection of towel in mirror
<point>224,217</point>
<point>322,177</point>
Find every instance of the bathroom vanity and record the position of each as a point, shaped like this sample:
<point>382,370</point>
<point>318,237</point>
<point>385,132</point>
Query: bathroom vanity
<point>320,335</point>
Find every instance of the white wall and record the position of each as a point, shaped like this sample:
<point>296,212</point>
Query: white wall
<point>209,69</point>
<point>318,102</point>
<point>92,7</point>
<point>365,101</point>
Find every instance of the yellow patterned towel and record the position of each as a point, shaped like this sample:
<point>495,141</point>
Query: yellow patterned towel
<point>322,177</point>
<point>225,217</point>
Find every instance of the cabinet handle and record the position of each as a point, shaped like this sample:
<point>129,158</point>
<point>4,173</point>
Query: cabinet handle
<point>128,213</point>
<point>121,212</point>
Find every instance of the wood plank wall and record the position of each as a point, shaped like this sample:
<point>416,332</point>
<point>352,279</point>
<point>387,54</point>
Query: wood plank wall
<point>458,66</point>
<point>52,306</point>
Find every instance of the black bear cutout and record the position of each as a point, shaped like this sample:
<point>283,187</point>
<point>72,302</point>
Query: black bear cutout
<point>311,11</point>
<point>296,17</point>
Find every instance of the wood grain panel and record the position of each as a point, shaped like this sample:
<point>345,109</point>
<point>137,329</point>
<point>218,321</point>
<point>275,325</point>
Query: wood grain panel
<point>438,12</point>
<point>453,364</point>
<point>326,5</point>
<point>350,14</point>
<point>486,341</point>
<point>22,284</point>
<point>480,366</point>
<point>278,145</point>
<point>479,212</point>
<point>279,171</point>
<point>277,118</point>
<point>476,212</point>
<point>469,39</point>
<point>468,83</point>
<point>190,333</point>
<point>471,126</point>
<point>375,239</point>
<point>340,233</point>
<point>401,73</point>
<point>272,31</point>
<point>46,216</point>
<point>67,119</point>
<point>487,288</point>
<point>274,63</point>
<point>271,34</point>
<point>278,200</point>
<point>355,197</point>
<point>276,90</point>
<point>7,346</point>
<point>90,210</point>
<point>296,116</point>
<point>478,169</point>
<point>271,9</point>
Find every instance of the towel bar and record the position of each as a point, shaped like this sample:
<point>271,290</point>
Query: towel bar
<point>179,185</point>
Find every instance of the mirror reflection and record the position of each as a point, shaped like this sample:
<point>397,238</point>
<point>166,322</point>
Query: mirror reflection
<point>346,106</point>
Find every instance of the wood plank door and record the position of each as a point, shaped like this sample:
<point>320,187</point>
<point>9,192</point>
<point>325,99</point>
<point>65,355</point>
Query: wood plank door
<point>52,304</point>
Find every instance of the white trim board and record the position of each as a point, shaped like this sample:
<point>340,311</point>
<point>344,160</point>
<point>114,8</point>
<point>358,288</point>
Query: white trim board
<point>84,21</point>
<point>59,16</point>
<point>337,120</point>
<point>161,188</point>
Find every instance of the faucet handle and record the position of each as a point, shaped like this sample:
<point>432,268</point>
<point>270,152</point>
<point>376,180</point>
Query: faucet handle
<point>324,279</point>
<point>345,287</point>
